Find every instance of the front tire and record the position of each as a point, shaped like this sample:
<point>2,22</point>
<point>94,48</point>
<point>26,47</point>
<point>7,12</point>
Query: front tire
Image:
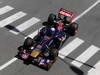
<point>28,42</point>
<point>53,54</point>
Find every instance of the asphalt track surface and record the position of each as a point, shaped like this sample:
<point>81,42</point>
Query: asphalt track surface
<point>89,29</point>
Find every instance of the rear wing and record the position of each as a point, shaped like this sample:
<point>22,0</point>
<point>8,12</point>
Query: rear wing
<point>66,13</point>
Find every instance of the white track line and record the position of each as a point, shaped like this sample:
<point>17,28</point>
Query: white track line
<point>8,63</point>
<point>70,47</point>
<point>5,9</point>
<point>87,10</point>
<point>26,25</point>
<point>86,55</point>
<point>33,34</point>
<point>12,18</point>
<point>95,71</point>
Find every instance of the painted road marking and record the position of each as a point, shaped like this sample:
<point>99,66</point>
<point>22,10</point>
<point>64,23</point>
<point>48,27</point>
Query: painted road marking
<point>95,71</point>
<point>26,25</point>
<point>5,9</point>
<point>98,1</point>
<point>70,47</point>
<point>33,34</point>
<point>12,18</point>
<point>8,63</point>
<point>87,10</point>
<point>86,55</point>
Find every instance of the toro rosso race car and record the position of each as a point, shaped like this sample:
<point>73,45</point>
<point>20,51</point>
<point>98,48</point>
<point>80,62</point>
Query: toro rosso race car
<point>43,49</point>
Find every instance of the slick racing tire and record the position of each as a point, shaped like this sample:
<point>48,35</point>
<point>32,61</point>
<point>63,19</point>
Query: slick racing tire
<point>28,42</point>
<point>53,54</point>
<point>51,18</point>
<point>73,28</point>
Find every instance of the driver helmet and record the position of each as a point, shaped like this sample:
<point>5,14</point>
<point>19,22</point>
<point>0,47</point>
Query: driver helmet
<point>52,29</point>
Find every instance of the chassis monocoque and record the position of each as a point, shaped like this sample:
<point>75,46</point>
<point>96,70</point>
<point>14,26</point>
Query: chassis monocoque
<point>45,55</point>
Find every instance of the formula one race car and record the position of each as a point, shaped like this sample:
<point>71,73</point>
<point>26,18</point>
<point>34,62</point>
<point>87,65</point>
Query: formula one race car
<point>43,49</point>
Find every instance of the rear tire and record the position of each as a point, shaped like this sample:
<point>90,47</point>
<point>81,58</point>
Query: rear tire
<point>73,29</point>
<point>51,18</point>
